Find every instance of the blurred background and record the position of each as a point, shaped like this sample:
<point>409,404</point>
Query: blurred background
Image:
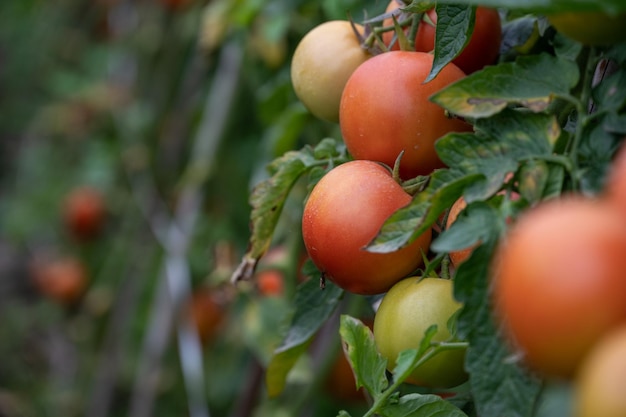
<point>131,133</point>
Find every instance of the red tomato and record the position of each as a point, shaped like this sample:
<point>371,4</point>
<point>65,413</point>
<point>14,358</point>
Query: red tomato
<point>559,281</point>
<point>270,282</point>
<point>343,213</point>
<point>385,109</point>
<point>482,49</point>
<point>64,280</point>
<point>84,212</point>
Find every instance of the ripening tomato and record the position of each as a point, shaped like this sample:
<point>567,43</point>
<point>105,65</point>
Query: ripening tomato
<point>63,279</point>
<point>342,215</point>
<point>599,386</point>
<point>482,49</point>
<point>559,281</point>
<point>385,109</point>
<point>458,256</point>
<point>322,63</point>
<point>590,28</point>
<point>405,313</point>
<point>615,187</point>
<point>84,212</point>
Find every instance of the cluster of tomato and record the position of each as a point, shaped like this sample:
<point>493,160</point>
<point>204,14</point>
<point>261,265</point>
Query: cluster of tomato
<point>64,278</point>
<point>381,101</point>
<point>558,300</point>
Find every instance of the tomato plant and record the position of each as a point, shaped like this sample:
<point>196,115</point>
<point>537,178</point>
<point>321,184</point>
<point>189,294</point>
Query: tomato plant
<point>558,281</point>
<point>342,215</point>
<point>590,28</point>
<point>406,312</point>
<point>602,374</point>
<point>376,105</point>
<point>318,74</point>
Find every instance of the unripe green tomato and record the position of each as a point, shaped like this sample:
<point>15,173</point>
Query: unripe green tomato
<point>322,63</point>
<point>409,308</point>
<point>591,28</point>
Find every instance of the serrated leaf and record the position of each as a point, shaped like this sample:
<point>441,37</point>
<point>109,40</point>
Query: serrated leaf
<point>530,81</point>
<point>417,405</point>
<point>313,307</point>
<point>500,386</point>
<point>455,25</point>
<point>543,6</point>
<point>368,365</point>
<point>269,196</point>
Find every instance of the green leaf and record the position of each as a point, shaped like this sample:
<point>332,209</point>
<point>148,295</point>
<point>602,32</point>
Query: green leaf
<point>417,405</point>
<point>269,196</point>
<point>408,359</point>
<point>368,365</point>
<point>530,81</point>
<point>473,224</point>
<point>500,386</point>
<point>455,24</point>
<point>547,6</point>
<point>313,307</point>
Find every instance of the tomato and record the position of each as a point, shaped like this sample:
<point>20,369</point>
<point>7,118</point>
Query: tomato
<point>84,212</point>
<point>459,256</point>
<point>270,282</point>
<point>590,28</point>
<point>405,313</point>
<point>559,281</point>
<point>206,313</point>
<point>385,109</point>
<point>322,63</point>
<point>63,279</point>
<point>599,386</point>
<point>482,49</point>
<point>342,215</point>
<point>615,188</point>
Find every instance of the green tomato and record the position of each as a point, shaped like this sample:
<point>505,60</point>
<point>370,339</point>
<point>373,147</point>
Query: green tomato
<point>409,308</point>
<point>590,28</point>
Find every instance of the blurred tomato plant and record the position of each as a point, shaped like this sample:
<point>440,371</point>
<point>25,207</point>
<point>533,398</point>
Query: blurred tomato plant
<point>183,116</point>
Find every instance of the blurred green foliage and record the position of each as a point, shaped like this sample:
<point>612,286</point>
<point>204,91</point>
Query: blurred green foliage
<point>124,96</point>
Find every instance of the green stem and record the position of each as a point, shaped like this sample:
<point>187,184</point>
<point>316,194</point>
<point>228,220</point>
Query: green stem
<point>438,347</point>
<point>582,109</point>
